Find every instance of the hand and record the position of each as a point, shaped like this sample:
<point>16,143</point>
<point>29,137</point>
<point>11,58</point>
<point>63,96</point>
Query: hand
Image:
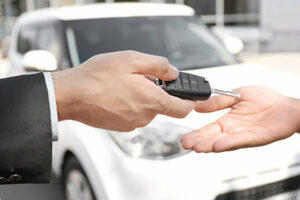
<point>110,91</point>
<point>260,117</point>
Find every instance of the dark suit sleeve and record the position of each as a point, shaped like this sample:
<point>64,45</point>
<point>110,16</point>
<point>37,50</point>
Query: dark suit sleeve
<point>25,130</point>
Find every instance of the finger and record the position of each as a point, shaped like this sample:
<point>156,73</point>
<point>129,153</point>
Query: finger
<point>163,103</point>
<point>154,65</point>
<point>216,103</point>
<point>237,141</point>
<point>208,131</point>
<point>206,145</point>
<point>176,107</point>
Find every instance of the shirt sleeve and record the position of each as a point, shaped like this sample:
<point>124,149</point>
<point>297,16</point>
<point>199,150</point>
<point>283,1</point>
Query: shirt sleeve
<point>52,103</point>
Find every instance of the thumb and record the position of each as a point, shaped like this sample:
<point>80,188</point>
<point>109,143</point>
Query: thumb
<point>156,66</point>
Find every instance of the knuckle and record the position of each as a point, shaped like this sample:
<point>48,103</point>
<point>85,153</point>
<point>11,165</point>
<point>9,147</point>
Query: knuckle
<point>178,113</point>
<point>130,53</point>
<point>164,60</point>
<point>146,120</point>
<point>182,114</point>
<point>132,57</point>
<point>129,129</point>
<point>216,149</point>
<point>164,64</point>
<point>143,123</point>
<point>164,107</point>
<point>93,59</point>
<point>197,149</point>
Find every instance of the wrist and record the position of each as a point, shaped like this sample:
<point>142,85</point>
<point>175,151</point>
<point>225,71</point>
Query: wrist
<point>62,94</point>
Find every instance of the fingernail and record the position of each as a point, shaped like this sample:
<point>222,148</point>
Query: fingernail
<point>175,71</point>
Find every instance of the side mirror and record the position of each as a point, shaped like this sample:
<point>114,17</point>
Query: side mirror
<point>39,60</point>
<point>233,44</point>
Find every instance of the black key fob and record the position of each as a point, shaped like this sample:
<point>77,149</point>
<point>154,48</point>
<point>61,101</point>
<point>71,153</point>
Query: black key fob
<point>187,86</point>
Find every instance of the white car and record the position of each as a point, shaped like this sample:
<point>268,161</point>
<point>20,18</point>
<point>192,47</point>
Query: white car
<point>149,163</point>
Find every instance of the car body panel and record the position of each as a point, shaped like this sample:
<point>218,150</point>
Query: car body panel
<point>191,176</point>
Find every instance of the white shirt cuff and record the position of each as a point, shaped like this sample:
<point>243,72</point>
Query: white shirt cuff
<point>52,103</point>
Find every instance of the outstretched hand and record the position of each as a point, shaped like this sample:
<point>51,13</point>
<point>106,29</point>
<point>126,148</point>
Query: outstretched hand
<point>110,91</point>
<point>260,117</point>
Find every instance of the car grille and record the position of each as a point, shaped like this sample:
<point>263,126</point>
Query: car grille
<point>263,191</point>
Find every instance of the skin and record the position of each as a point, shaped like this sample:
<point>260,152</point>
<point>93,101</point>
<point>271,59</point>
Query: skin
<point>110,91</point>
<point>260,117</point>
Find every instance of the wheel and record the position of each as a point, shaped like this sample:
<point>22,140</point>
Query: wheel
<point>75,182</point>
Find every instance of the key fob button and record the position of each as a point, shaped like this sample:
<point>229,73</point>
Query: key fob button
<point>178,84</point>
<point>170,84</point>
<point>185,81</point>
<point>193,81</point>
<point>201,82</point>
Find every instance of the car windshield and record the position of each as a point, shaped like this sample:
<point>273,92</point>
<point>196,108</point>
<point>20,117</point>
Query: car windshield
<point>185,41</point>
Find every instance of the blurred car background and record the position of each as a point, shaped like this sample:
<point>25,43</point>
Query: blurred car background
<point>149,162</point>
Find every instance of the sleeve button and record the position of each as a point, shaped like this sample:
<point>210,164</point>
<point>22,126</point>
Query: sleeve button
<point>14,178</point>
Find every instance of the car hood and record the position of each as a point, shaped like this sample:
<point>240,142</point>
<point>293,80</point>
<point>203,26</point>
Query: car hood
<point>233,76</point>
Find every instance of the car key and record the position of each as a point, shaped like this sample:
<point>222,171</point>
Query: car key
<point>192,87</point>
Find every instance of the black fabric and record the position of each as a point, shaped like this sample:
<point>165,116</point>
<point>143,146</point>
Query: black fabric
<point>25,129</point>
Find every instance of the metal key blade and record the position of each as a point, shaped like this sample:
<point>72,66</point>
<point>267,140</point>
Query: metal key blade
<point>227,93</point>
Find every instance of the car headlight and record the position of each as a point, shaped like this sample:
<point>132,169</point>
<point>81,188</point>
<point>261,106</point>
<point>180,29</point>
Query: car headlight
<point>156,141</point>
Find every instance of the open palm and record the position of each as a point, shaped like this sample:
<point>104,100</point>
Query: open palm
<point>260,117</point>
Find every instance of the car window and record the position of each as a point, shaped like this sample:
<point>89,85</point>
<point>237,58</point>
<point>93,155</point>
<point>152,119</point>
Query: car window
<point>26,39</point>
<point>47,39</point>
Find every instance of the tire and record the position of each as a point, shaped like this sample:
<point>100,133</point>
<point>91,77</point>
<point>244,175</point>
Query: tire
<point>75,182</point>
